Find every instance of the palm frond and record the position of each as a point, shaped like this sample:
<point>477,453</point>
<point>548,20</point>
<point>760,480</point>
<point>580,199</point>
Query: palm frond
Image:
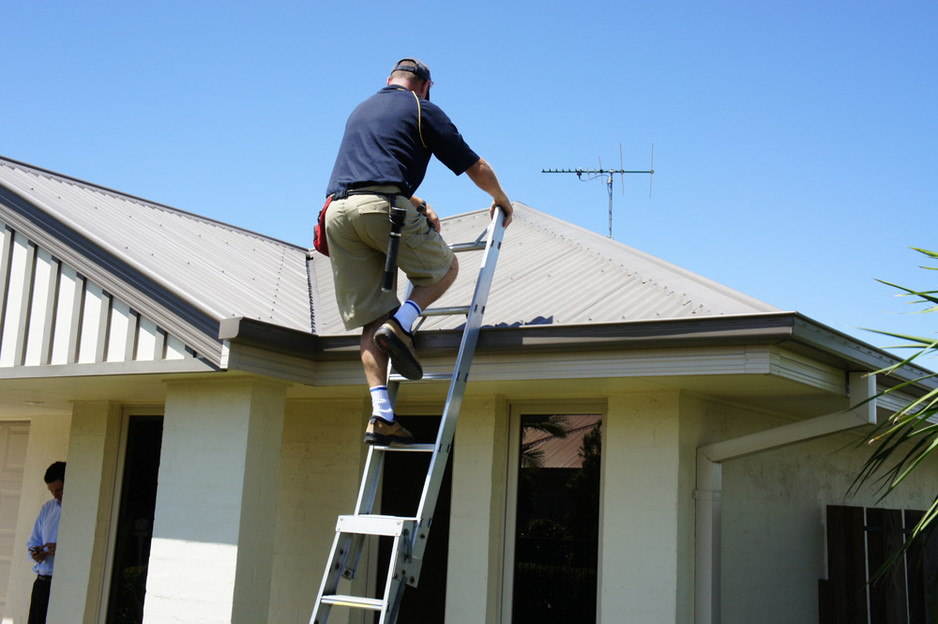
<point>902,442</point>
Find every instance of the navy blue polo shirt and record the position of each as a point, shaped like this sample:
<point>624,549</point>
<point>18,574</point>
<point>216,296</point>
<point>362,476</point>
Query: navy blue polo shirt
<point>382,144</point>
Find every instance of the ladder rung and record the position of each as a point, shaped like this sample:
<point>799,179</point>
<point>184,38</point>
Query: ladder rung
<point>473,246</point>
<point>407,448</point>
<point>427,377</point>
<point>447,311</point>
<point>371,524</point>
<point>354,601</point>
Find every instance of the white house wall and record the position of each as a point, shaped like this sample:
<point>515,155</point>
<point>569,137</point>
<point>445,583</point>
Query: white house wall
<point>477,513</point>
<point>53,315</point>
<point>778,499</point>
<point>773,510</point>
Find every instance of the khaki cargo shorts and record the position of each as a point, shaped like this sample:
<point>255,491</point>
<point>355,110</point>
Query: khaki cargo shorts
<point>358,229</point>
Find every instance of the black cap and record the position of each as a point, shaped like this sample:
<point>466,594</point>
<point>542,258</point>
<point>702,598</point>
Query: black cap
<point>413,65</point>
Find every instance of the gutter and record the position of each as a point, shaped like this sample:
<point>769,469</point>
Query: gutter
<point>788,330</point>
<point>708,496</point>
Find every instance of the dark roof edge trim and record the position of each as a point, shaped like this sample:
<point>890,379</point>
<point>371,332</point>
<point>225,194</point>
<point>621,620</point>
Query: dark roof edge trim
<point>275,338</point>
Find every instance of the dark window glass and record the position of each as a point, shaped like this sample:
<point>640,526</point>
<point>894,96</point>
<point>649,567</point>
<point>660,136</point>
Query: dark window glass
<point>135,520</point>
<point>557,528</point>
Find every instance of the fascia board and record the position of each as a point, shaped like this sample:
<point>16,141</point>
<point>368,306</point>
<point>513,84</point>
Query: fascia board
<point>106,369</point>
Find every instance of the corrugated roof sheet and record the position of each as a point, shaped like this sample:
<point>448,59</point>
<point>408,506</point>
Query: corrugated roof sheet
<point>549,271</point>
<point>222,270</point>
<point>552,272</point>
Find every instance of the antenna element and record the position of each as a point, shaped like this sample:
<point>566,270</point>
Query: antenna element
<point>593,174</point>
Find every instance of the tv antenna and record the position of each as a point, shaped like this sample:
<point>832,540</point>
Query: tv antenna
<point>609,174</point>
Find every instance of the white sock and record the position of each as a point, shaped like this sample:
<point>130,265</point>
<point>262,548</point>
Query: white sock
<point>381,403</point>
<point>407,314</point>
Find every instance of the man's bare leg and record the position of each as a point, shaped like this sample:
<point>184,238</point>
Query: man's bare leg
<point>382,428</point>
<point>394,337</point>
<point>424,296</point>
<point>374,360</point>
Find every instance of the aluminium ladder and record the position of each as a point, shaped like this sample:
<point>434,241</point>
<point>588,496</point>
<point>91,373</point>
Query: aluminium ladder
<point>409,533</point>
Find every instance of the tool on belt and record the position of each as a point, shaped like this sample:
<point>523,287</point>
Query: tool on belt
<point>397,216</point>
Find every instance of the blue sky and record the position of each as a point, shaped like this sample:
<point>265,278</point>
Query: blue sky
<point>794,142</point>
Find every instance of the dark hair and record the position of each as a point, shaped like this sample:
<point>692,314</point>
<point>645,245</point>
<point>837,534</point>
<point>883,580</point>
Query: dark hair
<point>55,472</point>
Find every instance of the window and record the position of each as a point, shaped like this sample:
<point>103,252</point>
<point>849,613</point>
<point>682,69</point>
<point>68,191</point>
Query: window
<point>554,563</point>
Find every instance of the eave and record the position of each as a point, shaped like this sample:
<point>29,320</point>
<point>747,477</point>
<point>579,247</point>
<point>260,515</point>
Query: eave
<point>789,331</point>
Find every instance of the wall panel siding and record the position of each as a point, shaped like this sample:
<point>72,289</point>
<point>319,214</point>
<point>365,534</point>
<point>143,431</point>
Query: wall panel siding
<point>52,315</point>
<point>19,278</point>
<point>118,334</point>
<point>93,309</point>
<point>45,286</point>
<point>65,312</point>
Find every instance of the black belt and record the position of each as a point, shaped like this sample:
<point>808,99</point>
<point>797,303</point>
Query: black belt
<point>45,577</point>
<point>346,193</point>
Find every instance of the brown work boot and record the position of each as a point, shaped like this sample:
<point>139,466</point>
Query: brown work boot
<point>380,432</point>
<point>398,343</point>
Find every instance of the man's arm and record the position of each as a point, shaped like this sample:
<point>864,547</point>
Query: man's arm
<point>34,543</point>
<point>482,174</point>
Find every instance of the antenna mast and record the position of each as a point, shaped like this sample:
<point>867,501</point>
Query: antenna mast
<point>593,174</point>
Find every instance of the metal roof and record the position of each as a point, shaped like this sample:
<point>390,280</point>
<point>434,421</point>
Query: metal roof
<point>551,272</point>
<point>221,270</point>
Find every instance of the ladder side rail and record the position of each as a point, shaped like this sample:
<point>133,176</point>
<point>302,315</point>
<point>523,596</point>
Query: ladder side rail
<point>396,583</point>
<point>330,580</point>
<point>371,476</point>
<point>454,397</point>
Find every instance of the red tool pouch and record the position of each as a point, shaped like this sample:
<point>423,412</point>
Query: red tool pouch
<point>319,233</point>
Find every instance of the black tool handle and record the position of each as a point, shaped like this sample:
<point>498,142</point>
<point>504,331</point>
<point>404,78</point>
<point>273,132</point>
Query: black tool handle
<point>397,216</point>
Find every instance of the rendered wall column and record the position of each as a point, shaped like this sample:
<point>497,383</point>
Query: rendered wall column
<point>477,512</point>
<point>214,530</point>
<point>319,477</point>
<point>84,529</point>
<point>639,547</point>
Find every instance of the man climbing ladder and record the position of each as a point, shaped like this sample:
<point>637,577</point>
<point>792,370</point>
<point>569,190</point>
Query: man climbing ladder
<point>382,159</point>
<point>410,532</point>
